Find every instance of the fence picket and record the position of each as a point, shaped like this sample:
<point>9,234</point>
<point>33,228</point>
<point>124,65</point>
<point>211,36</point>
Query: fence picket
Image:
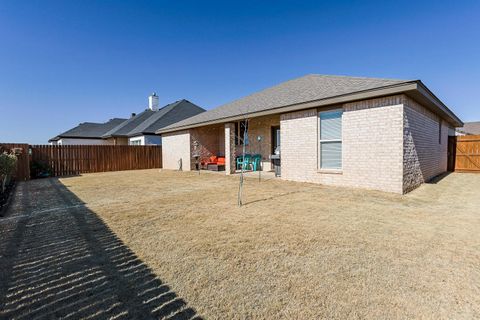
<point>74,160</point>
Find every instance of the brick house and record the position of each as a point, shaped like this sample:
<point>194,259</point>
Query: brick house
<point>381,134</point>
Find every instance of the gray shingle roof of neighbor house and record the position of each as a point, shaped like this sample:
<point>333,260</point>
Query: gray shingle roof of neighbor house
<point>89,130</point>
<point>148,122</point>
<point>168,115</point>
<point>470,128</point>
<point>315,90</point>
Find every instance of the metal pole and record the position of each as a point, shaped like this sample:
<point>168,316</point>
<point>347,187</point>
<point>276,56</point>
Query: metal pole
<point>240,188</point>
<point>259,139</point>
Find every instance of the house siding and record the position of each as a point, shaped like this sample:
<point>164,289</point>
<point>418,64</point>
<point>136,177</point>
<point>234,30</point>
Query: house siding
<point>118,141</point>
<point>176,147</point>
<point>424,156</point>
<point>372,145</point>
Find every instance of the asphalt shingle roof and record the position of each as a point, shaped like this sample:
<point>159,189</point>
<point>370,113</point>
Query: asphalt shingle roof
<point>307,88</point>
<point>90,129</point>
<point>124,129</point>
<point>168,115</point>
<point>150,121</point>
<point>470,128</point>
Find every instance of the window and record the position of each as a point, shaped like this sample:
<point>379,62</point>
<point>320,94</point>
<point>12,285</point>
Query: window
<point>135,142</point>
<point>330,140</point>
<point>240,127</point>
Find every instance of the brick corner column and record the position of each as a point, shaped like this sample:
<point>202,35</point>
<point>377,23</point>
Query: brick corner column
<point>229,148</point>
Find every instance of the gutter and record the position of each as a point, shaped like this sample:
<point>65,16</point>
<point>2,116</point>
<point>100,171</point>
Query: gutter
<point>74,137</point>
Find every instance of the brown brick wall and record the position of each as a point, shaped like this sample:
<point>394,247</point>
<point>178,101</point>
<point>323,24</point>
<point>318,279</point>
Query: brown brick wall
<point>211,141</point>
<point>260,126</point>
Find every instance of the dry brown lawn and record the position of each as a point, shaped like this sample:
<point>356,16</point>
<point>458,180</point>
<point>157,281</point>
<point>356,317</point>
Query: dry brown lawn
<point>298,251</point>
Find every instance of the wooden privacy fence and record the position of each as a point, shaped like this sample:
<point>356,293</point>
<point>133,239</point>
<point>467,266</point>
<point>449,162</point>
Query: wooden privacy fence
<point>464,153</point>
<point>75,159</point>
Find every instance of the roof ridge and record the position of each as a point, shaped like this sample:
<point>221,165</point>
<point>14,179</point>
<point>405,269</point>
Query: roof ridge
<point>177,111</point>
<point>357,77</point>
<point>156,113</point>
<point>302,77</point>
<point>109,133</point>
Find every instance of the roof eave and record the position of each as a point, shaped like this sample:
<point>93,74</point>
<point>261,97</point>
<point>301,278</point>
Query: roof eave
<point>73,137</point>
<point>115,136</point>
<point>423,95</point>
<point>137,134</point>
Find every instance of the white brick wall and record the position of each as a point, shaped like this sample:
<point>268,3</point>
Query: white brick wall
<point>176,146</point>
<point>389,144</point>
<point>372,138</point>
<point>229,139</point>
<point>424,156</point>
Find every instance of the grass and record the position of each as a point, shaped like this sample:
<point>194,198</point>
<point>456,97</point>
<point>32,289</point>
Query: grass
<point>298,250</point>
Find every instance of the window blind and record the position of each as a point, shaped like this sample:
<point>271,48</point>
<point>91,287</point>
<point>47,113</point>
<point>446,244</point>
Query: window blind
<point>331,126</point>
<point>331,140</point>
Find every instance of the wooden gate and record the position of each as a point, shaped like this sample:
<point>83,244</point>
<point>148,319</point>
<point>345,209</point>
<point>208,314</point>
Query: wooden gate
<point>464,153</point>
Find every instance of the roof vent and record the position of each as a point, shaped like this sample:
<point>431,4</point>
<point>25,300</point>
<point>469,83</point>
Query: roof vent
<point>153,102</point>
<point>133,114</point>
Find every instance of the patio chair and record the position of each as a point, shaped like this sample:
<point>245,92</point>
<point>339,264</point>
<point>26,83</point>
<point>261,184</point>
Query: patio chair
<point>244,162</point>
<point>256,162</point>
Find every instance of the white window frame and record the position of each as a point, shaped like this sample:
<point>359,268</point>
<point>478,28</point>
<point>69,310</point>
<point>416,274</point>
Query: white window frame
<point>320,141</point>
<point>136,142</point>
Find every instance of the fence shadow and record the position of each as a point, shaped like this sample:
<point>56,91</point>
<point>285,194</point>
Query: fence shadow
<point>58,259</point>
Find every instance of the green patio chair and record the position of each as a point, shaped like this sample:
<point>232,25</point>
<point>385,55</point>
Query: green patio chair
<point>257,162</point>
<point>244,162</point>
<point>238,161</point>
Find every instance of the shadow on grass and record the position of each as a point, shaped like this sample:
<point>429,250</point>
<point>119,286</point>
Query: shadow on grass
<point>271,198</point>
<point>66,263</point>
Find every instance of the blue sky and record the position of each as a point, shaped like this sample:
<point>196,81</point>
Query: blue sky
<point>66,62</point>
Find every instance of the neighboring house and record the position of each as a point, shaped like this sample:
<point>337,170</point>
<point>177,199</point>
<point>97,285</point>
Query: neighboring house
<point>382,134</point>
<point>87,133</point>
<point>140,129</point>
<point>469,128</point>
